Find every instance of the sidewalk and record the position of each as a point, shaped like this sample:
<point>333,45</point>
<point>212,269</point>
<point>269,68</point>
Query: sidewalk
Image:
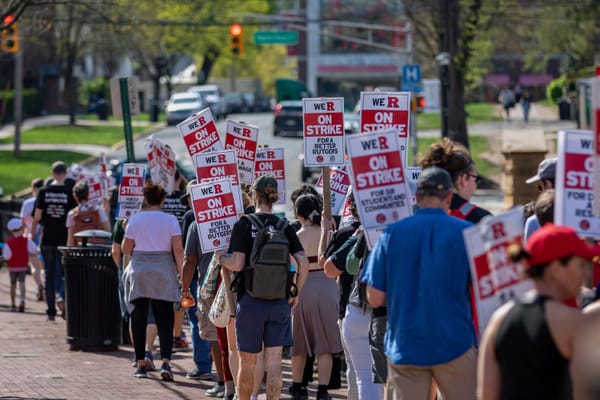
<point>37,362</point>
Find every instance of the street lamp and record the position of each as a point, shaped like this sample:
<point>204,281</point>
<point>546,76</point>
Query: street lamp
<point>443,60</point>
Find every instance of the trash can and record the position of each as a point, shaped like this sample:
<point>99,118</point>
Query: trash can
<point>91,294</point>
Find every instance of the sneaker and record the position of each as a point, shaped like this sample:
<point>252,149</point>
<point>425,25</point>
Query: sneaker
<point>197,375</point>
<point>13,308</point>
<point>166,373</point>
<point>216,391</point>
<point>301,394</point>
<point>22,307</point>
<point>141,372</point>
<point>149,361</point>
<point>180,344</point>
<point>40,293</point>
<point>61,306</point>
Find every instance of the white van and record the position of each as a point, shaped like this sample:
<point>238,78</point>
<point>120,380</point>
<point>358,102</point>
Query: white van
<point>213,96</point>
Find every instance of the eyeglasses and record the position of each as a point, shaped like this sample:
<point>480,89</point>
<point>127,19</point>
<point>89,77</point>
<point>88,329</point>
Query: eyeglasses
<point>476,177</point>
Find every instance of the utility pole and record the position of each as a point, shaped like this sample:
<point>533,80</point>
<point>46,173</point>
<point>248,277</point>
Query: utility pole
<point>18,101</point>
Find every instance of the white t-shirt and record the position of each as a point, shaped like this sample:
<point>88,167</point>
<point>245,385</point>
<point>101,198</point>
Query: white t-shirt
<point>85,207</point>
<point>152,230</point>
<point>27,211</point>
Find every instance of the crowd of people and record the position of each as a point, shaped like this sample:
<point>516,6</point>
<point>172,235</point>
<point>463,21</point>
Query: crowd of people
<point>398,318</point>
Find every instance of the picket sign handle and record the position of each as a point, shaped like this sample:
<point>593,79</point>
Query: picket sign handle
<point>326,192</point>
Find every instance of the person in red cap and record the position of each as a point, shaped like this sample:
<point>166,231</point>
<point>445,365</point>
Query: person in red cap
<point>527,346</point>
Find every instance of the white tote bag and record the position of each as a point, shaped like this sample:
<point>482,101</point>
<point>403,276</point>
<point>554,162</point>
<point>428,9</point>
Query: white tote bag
<point>220,310</point>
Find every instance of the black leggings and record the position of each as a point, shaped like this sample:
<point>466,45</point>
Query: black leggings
<point>165,319</point>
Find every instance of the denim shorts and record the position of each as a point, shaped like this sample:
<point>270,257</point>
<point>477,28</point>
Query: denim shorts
<point>262,322</point>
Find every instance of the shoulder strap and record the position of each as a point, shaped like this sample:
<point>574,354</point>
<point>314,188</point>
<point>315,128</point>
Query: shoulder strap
<point>254,220</point>
<point>281,224</point>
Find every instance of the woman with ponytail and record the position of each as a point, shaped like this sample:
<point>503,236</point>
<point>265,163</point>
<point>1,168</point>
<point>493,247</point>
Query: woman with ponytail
<point>314,319</point>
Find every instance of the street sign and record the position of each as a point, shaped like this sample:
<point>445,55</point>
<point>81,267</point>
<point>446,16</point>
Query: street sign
<point>411,78</point>
<point>276,37</point>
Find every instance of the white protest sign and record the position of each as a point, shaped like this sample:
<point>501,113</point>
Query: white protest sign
<point>323,131</point>
<point>161,159</point>
<point>243,138</point>
<point>339,182</point>
<point>412,176</point>
<point>347,217</point>
<point>380,189</point>
<point>217,165</point>
<point>97,190</point>
<point>214,209</point>
<point>574,175</point>
<point>131,190</point>
<point>271,162</point>
<point>382,111</point>
<point>496,279</point>
<point>199,133</point>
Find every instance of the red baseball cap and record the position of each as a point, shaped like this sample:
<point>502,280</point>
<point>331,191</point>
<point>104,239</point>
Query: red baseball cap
<point>552,242</point>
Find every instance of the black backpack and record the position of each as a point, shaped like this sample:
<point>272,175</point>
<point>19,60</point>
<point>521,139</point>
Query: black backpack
<point>267,274</point>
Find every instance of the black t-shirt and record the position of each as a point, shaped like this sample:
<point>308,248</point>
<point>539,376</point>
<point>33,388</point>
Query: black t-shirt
<point>243,234</point>
<point>186,222</point>
<point>173,206</point>
<point>55,201</point>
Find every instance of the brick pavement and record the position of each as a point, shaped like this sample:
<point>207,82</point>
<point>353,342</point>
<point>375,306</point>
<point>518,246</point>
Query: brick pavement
<point>36,363</point>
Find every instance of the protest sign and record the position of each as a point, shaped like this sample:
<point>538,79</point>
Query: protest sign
<point>323,131</point>
<point>380,189</point>
<point>96,190</point>
<point>271,162</point>
<point>161,160</point>
<point>382,111</point>
<point>339,178</point>
<point>347,217</point>
<point>574,172</point>
<point>412,175</point>
<point>131,190</point>
<point>243,138</point>
<point>214,210</point>
<point>596,130</point>
<point>199,133</point>
<point>217,165</point>
<point>496,279</point>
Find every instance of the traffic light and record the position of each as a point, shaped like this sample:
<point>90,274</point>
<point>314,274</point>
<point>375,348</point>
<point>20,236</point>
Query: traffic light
<point>417,103</point>
<point>237,40</point>
<point>10,35</point>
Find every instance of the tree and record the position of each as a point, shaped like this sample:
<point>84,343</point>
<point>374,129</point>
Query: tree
<point>461,29</point>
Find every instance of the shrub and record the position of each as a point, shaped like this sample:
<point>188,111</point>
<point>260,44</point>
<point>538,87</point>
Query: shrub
<point>32,104</point>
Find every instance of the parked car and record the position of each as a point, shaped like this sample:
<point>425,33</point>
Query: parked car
<point>213,96</point>
<point>182,105</point>
<point>235,102</point>
<point>288,119</point>
<point>351,127</point>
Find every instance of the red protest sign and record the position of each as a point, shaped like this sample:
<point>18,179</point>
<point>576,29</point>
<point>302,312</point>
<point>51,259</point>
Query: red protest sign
<point>243,138</point>
<point>271,162</point>
<point>199,133</point>
<point>217,165</point>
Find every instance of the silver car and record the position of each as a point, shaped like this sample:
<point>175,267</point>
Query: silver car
<point>214,99</point>
<point>182,105</point>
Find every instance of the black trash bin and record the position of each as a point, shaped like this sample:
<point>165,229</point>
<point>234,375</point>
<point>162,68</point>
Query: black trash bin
<point>91,294</point>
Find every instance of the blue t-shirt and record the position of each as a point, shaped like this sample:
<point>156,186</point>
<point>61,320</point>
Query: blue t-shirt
<point>421,264</point>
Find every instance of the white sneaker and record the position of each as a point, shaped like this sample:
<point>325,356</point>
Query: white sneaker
<point>216,391</point>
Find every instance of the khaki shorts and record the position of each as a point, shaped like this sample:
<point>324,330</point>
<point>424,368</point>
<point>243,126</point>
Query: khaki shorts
<point>208,331</point>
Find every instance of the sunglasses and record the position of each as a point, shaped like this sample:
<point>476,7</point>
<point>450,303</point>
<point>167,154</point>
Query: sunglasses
<point>476,177</point>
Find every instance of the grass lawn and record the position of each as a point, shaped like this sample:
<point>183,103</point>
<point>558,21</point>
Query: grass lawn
<point>478,145</point>
<point>476,112</point>
<point>16,175</point>
<point>100,135</point>
<point>144,117</point>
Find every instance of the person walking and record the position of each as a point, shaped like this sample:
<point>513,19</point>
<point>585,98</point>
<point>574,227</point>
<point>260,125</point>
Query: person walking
<point>258,322</point>
<point>526,101</point>
<point>544,179</point>
<point>419,268</point>
<point>457,161</point>
<point>26,214</point>
<point>507,99</point>
<point>527,345</point>
<point>52,205</point>
<point>16,252</point>
<point>153,252</point>
<point>314,319</point>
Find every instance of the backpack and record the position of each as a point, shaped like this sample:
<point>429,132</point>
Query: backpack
<point>267,274</point>
<point>85,220</point>
<point>463,211</point>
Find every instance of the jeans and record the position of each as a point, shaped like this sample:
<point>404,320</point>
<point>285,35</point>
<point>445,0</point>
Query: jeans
<point>54,277</point>
<point>200,347</point>
<point>355,334</point>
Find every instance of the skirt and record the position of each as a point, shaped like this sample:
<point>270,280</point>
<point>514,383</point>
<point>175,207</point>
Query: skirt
<point>314,319</point>
<point>151,275</point>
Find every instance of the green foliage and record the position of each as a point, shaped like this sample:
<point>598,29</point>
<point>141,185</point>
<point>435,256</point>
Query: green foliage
<point>565,84</point>
<point>32,104</point>
<point>17,174</point>
<point>105,135</point>
<point>94,87</point>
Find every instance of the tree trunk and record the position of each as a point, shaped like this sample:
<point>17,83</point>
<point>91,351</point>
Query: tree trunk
<point>457,118</point>
<point>210,57</point>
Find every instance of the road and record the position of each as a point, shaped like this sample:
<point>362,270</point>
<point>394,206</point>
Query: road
<point>293,147</point>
